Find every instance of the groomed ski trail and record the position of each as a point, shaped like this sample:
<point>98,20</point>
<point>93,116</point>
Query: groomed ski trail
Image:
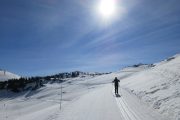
<point>131,108</point>
<point>100,104</point>
<point>126,112</point>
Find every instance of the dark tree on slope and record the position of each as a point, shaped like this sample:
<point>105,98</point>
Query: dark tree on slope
<point>75,74</point>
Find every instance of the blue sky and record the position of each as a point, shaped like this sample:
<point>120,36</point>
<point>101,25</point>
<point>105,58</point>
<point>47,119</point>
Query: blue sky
<point>40,37</point>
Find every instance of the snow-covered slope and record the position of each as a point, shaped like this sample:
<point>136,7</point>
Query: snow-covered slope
<point>159,86</point>
<point>5,75</point>
<point>136,69</point>
<point>92,98</point>
<point>88,98</point>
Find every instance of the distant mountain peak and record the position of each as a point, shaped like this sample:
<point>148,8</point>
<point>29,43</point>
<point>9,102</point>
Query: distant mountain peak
<point>5,75</point>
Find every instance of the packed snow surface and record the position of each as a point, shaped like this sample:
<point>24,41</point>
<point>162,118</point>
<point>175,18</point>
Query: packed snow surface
<point>146,93</point>
<point>159,87</point>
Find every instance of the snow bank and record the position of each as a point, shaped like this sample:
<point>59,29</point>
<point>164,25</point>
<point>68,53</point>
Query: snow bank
<point>159,86</point>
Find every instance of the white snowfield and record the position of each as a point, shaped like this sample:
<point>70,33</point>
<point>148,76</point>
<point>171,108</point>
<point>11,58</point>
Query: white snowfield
<point>146,93</point>
<point>5,75</point>
<point>159,87</point>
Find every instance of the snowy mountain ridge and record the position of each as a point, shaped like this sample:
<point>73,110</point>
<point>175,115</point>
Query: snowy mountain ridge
<point>5,75</point>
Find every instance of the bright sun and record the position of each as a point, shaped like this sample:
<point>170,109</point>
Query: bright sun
<point>107,8</point>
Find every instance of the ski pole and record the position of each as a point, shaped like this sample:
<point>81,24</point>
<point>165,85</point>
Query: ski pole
<point>61,97</point>
<point>120,90</point>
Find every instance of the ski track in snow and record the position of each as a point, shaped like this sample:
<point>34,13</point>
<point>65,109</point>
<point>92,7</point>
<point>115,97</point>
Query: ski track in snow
<point>132,109</point>
<point>101,104</point>
<point>126,112</point>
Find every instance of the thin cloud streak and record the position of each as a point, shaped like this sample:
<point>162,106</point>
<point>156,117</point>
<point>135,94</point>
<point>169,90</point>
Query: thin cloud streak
<point>55,35</point>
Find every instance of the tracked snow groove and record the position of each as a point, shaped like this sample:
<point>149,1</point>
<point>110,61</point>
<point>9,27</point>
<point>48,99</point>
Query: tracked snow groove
<point>127,113</point>
<point>132,109</point>
<point>100,104</point>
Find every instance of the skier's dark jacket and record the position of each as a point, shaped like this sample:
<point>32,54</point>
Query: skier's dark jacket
<point>116,82</point>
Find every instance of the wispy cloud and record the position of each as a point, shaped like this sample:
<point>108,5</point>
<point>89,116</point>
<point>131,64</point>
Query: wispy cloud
<point>55,35</point>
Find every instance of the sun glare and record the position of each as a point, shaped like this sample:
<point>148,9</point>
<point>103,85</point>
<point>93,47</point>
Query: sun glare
<point>107,8</point>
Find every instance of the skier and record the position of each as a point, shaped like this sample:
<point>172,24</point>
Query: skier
<point>116,84</point>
